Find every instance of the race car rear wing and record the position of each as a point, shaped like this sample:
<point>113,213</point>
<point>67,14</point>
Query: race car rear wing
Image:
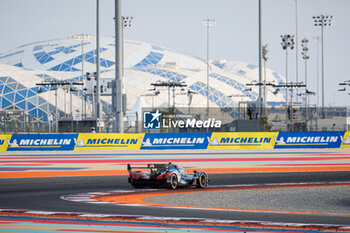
<point>162,165</point>
<point>130,168</point>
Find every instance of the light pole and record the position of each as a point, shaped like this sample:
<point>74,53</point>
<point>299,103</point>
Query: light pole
<point>260,55</point>
<point>317,40</point>
<point>118,83</point>
<point>98,91</point>
<point>296,47</point>
<point>304,44</point>
<point>82,78</point>
<point>265,52</point>
<point>56,110</point>
<point>287,42</point>
<point>322,21</point>
<point>208,23</point>
<point>71,105</point>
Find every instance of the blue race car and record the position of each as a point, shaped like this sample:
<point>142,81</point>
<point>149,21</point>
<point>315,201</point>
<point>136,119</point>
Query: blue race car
<point>165,175</point>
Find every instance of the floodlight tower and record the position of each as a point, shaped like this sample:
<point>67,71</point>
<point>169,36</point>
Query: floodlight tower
<point>208,23</point>
<point>127,23</point>
<point>317,39</point>
<point>287,42</point>
<point>304,44</point>
<point>265,51</point>
<point>98,89</point>
<point>296,47</point>
<point>260,54</point>
<point>322,21</point>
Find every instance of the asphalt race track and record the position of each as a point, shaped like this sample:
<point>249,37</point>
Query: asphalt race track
<point>45,194</point>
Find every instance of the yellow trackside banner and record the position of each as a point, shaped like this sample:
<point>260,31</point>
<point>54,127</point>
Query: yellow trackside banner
<point>246,140</point>
<point>345,141</point>
<point>108,141</point>
<point>4,139</point>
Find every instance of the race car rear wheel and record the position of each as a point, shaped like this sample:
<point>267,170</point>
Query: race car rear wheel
<point>202,181</point>
<point>173,181</point>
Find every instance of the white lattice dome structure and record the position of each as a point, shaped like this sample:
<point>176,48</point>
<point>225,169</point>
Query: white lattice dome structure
<point>69,59</point>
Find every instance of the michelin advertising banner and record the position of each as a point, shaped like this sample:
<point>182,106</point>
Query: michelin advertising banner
<point>247,140</point>
<point>108,141</point>
<point>40,142</point>
<point>161,141</point>
<point>308,140</point>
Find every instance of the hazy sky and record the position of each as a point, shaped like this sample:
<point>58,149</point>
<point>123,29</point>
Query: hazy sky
<point>177,25</point>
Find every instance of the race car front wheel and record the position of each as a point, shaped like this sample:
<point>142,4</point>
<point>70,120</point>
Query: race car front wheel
<point>202,181</point>
<point>173,181</point>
